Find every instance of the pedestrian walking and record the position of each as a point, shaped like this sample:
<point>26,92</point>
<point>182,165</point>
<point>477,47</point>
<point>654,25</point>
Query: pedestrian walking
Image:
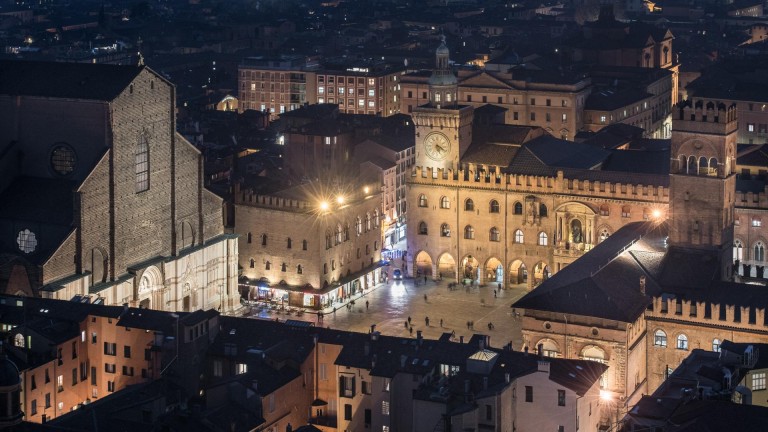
<point>410,330</point>
<point>472,325</point>
<point>409,319</point>
<point>490,326</point>
<point>494,293</point>
<point>425,279</point>
<point>425,297</point>
<point>366,305</point>
<point>406,324</point>
<point>499,286</point>
<point>426,321</point>
<point>441,323</point>
<point>467,325</point>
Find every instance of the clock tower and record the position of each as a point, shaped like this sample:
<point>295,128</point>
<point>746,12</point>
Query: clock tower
<point>443,127</point>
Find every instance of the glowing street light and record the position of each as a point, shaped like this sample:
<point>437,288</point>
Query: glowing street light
<point>324,206</point>
<point>656,213</point>
<point>340,199</point>
<point>606,396</point>
<point>366,190</point>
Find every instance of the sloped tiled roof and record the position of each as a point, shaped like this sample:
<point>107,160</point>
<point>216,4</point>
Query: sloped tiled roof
<point>65,80</point>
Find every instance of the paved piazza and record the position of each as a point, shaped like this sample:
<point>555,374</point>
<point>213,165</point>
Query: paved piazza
<point>390,305</point>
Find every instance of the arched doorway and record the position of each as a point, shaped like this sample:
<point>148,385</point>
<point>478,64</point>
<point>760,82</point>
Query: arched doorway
<point>150,284</point>
<point>446,266</point>
<point>540,273</point>
<point>423,264</point>
<point>518,273</point>
<point>494,271</point>
<point>469,269</point>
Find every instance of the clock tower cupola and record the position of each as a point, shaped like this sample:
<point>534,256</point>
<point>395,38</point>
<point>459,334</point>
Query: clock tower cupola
<point>443,127</point>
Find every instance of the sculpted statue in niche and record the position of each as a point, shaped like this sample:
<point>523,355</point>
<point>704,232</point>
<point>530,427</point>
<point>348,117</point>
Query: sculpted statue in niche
<point>576,234</point>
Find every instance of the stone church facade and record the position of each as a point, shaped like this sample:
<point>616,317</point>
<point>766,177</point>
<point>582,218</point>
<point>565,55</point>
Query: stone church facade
<point>104,199</point>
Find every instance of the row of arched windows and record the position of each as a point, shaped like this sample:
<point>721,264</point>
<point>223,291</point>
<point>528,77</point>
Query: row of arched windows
<point>469,205</point>
<point>283,266</point>
<point>681,342</point>
<point>757,250</point>
<point>341,233</point>
<point>494,234</point>
<point>698,166</point>
<point>264,240</point>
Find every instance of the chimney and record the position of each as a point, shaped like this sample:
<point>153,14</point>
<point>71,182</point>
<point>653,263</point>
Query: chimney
<point>642,284</point>
<point>543,366</point>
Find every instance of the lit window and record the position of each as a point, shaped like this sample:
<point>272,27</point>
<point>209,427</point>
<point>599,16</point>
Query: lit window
<point>27,241</point>
<point>543,239</point>
<point>519,237</point>
<point>682,342</point>
<point>602,119</point>
<point>757,223</point>
<point>384,407</point>
<point>321,90</point>
<point>716,345</point>
<point>660,338</point>
<point>241,368</point>
<point>751,127</point>
<point>758,381</point>
<point>63,159</point>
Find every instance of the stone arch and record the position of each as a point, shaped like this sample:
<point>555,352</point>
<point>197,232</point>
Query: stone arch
<point>469,267</point>
<point>594,353</point>
<point>150,283</point>
<point>572,215</point>
<point>494,271</point>
<point>423,263</point>
<point>518,272</point>
<point>549,347</point>
<point>446,265</point>
<point>541,272</point>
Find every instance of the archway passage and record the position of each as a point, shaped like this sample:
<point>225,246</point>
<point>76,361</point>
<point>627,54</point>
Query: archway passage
<point>518,273</point>
<point>494,271</point>
<point>423,264</point>
<point>469,269</point>
<point>446,266</point>
<point>540,273</point>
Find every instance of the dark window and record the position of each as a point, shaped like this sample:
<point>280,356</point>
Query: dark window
<point>347,386</point>
<point>528,393</point>
<point>147,354</point>
<point>47,400</point>
<point>488,412</point>
<point>93,375</point>
<point>34,385</point>
<point>127,351</point>
<point>347,412</point>
<point>367,417</point>
<point>518,208</point>
<point>303,245</point>
<point>110,368</point>
<point>110,386</point>
<point>74,376</point>
<point>74,349</point>
<point>561,398</point>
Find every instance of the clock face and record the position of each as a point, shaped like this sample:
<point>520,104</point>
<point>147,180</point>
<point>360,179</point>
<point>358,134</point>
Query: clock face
<point>437,146</point>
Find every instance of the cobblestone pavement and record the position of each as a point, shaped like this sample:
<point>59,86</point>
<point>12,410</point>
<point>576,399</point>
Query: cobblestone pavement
<point>390,305</point>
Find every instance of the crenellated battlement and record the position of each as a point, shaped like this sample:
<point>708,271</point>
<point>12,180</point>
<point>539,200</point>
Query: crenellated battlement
<point>752,200</point>
<point>705,116</point>
<point>537,184</point>
<point>719,314</point>
<point>248,197</point>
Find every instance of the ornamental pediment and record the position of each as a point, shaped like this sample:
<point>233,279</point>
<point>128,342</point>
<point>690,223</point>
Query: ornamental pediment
<point>484,79</point>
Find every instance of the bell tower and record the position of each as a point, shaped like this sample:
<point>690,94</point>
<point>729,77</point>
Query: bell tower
<point>702,179</point>
<point>443,127</point>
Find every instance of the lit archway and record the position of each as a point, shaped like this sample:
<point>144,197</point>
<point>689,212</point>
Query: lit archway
<point>494,271</point>
<point>469,268</point>
<point>446,266</point>
<point>540,272</point>
<point>518,273</point>
<point>423,264</point>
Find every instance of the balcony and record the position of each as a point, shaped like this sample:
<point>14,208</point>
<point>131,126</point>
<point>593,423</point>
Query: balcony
<point>324,420</point>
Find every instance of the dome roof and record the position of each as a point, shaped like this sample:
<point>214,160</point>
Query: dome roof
<point>442,49</point>
<point>9,373</point>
